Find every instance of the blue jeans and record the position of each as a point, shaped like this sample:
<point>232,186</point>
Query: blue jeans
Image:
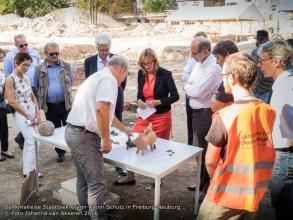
<point>266,97</point>
<point>281,185</point>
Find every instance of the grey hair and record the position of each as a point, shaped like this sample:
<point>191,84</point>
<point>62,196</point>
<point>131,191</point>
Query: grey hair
<point>50,44</point>
<point>204,43</point>
<point>103,38</point>
<point>119,62</point>
<point>18,36</point>
<point>277,49</point>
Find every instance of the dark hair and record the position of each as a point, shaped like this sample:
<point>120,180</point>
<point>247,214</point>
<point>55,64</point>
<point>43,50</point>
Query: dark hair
<point>225,47</point>
<point>2,51</point>
<point>262,35</point>
<point>21,57</point>
<point>200,33</point>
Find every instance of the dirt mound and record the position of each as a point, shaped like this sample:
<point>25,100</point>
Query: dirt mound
<point>67,22</point>
<point>143,30</point>
<point>176,52</point>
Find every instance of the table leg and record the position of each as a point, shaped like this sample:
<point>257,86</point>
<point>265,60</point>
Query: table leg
<point>197,183</point>
<point>37,170</point>
<point>157,198</point>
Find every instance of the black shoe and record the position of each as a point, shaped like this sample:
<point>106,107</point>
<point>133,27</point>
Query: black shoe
<point>2,158</point>
<point>121,172</point>
<point>60,158</point>
<point>191,188</point>
<point>7,154</point>
<point>117,183</point>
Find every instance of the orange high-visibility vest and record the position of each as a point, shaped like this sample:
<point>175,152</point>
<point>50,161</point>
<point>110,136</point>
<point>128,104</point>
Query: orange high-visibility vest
<point>240,181</point>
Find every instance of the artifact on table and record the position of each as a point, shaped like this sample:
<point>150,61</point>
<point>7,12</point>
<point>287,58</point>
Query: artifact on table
<point>148,137</point>
<point>46,128</point>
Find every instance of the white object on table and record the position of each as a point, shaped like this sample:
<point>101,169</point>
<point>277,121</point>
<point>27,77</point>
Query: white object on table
<point>145,113</point>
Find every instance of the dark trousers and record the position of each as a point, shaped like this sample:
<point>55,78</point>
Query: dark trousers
<point>57,114</point>
<point>201,123</point>
<point>189,122</point>
<point>3,130</point>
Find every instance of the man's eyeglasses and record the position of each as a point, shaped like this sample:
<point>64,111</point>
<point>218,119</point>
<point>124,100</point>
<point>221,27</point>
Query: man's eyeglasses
<point>194,54</point>
<point>54,54</point>
<point>104,50</point>
<point>23,45</point>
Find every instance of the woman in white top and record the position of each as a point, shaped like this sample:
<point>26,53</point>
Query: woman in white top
<point>27,112</point>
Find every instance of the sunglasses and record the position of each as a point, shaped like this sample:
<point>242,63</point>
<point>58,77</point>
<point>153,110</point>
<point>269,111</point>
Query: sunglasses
<point>23,45</point>
<point>54,54</point>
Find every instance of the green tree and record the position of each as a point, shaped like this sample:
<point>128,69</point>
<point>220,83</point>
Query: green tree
<point>107,6</point>
<point>6,6</point>
<point>30,8</point>
<point>158,5</point>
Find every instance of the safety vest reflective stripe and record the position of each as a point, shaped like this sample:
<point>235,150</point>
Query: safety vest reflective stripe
<point>239,189</point>
<point>245,169</point>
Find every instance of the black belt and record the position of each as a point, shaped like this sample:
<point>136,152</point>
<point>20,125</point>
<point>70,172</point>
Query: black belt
<point>59,103</point>
<point>80,128</point>
<point>287,149</point>
<point>201,109</point>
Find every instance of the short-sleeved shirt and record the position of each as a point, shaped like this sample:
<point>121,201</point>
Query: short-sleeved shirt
<point>222,96</point>
<point>101,86</point>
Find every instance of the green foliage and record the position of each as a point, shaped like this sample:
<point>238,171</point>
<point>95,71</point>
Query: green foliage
<point>30,8</point>
<point>107,6</point>
<point>158,5</point>
<point>6,6</point>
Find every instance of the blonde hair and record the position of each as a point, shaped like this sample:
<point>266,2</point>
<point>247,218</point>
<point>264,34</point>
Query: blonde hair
<point>148,53</point>
<point>243,68</point>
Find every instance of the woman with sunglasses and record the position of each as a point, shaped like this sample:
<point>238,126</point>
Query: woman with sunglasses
<point>156,89</point>
<point>27,114</point>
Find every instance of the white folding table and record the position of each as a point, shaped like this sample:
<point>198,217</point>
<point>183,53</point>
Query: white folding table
<point>168,157</point>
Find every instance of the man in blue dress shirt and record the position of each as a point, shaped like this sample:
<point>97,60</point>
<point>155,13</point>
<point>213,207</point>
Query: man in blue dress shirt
<point>54,80</point>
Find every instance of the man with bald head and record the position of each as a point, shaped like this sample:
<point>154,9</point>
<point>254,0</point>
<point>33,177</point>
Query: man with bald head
<point>204,80</point>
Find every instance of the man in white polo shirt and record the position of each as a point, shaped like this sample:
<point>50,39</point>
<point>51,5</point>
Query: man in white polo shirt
<point>274,61</point>
<point>87,132</point>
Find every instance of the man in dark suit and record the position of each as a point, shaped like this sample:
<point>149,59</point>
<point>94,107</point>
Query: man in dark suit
<point>97,62</point>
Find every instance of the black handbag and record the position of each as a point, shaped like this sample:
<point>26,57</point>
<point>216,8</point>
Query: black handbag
<point>6,107</point>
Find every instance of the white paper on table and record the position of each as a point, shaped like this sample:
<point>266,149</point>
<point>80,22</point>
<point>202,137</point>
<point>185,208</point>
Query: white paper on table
<point>145,113</point>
